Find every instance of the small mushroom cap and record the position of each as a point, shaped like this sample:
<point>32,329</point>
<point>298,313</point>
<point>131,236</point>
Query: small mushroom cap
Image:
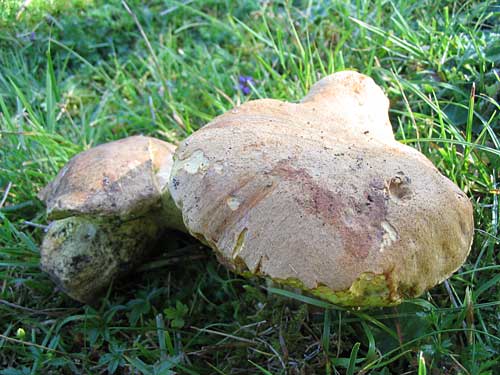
<point>319,195</point>
<point>122,178</point>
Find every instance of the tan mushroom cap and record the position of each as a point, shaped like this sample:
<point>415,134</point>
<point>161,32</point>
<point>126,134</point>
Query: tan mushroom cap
<point>120,178</point>
<point>319,195</point>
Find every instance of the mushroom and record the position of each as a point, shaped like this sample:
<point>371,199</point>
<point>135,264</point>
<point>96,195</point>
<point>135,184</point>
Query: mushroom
<point>109,205</point>
<point>318,195</point>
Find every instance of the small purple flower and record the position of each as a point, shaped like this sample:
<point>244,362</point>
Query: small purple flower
<point>244,84</point>
<point>31,36</point>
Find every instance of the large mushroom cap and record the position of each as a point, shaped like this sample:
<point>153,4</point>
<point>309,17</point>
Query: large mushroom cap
<point>120,178</point>
<point>319,195</point>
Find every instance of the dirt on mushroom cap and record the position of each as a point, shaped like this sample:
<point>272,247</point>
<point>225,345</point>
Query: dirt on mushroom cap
<point>321,193</point>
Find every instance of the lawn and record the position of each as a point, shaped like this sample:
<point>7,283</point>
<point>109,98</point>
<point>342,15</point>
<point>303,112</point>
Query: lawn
<point>77,74</point>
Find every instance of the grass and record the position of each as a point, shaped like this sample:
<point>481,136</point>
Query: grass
<point>75,76</point>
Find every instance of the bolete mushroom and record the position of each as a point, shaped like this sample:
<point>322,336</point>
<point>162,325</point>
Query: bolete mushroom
<point>109,205</point>
<point>319,195</point>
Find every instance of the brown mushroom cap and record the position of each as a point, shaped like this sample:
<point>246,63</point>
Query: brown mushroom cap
<point>122,178</point>
<point>319,195</point>
<point>110,204</point>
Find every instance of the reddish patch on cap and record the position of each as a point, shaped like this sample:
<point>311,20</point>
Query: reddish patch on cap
<point>356,221</point>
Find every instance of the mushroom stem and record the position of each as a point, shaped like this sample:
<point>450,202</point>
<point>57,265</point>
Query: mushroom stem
<point>171,216</point>
<point>84,254</point>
